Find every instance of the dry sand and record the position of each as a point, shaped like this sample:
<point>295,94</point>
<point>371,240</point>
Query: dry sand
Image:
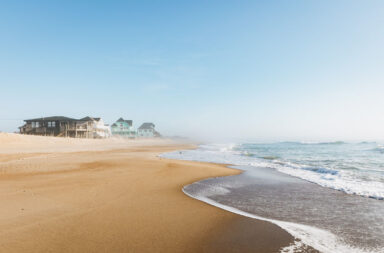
<point>71,195</point>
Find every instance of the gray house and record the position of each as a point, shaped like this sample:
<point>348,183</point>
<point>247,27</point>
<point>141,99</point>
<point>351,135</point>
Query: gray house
<point>60,126</point>
<point>147,130</point>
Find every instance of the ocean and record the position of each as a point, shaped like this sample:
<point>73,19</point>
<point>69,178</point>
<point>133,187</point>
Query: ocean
<point>328,195</point>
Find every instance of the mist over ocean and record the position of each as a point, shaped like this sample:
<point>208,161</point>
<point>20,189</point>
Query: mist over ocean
<point>329,195</point>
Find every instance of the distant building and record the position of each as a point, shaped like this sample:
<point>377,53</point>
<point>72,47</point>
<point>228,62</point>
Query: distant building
<point>123,128</point>
<point>147,130</point>
<point>60,126</point>
<point>98,127</point>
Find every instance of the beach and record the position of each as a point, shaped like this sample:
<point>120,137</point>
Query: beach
<point>327,195</point>
<point>115,195</point>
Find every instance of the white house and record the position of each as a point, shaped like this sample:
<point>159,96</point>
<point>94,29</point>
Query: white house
<point>99,129</point>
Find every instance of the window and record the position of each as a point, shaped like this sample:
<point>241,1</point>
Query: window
<point>51,124</point>
<point>33,124</point>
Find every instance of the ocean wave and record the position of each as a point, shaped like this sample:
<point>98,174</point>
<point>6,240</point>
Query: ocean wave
<point>347,180</point>
<point>321,170</point>
<point>367,142</point>
<point>313,142</point>
<point>346,177</point>
<point>270,157</point>
<point>246,153</point>
<point>325,143</point>
<point>379,149</point>
<point>338,180</point>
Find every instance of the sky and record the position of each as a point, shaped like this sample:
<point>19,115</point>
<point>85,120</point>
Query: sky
<point>214,70</point>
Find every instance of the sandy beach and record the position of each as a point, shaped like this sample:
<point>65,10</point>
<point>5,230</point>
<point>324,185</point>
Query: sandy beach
<point>115,195</point>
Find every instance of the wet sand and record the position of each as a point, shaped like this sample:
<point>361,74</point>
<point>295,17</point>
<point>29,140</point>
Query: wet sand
<point>66,195</point>
<point>355,221</point>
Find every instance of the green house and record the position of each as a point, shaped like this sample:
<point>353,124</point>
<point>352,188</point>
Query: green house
<point>123,128</point>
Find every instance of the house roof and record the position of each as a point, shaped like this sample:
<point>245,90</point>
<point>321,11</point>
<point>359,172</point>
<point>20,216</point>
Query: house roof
<point>89,119</point>
<point>62,118</point>
<point>53,118</point>
<point>127,121</point>
<point>147,125</point>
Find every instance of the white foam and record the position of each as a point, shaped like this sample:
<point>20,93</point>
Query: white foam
<point>296,246</point>
<point>341,181</point>
<point>208,190</point>
<point>322,240</point>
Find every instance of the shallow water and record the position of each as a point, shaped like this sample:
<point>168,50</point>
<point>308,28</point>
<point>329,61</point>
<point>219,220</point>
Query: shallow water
<point>324,218</point>
<point>356,221</point>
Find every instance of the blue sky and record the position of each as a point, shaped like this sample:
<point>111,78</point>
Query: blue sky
<point>265,70</point>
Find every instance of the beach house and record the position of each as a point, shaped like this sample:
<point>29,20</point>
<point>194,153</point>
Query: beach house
<point>123,128</point>
<point>61,126</point>
<point>97,127</point>
<point>147,130</point>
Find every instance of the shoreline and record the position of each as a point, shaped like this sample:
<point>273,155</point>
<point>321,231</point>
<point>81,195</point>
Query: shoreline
<point>117,200</point>
<point>296,243</point>
<point>319,217</point>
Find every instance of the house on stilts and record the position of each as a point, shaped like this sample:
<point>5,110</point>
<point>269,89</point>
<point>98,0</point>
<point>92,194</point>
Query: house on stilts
<point>60,126</point>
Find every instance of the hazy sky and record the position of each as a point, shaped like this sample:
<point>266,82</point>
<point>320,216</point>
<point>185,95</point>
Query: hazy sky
<point>265,70</point>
